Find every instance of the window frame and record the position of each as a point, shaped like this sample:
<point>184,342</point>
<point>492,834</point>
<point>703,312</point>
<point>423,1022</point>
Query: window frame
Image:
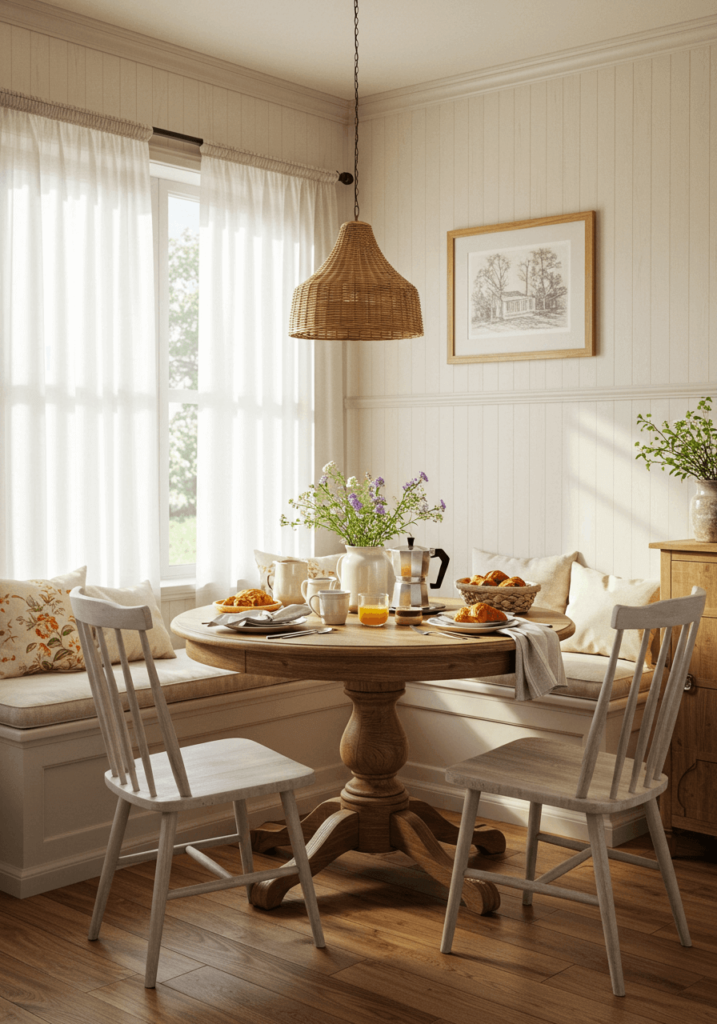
<point>167,180</point>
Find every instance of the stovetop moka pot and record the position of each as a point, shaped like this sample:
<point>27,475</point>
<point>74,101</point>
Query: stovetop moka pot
<point>411,563</point>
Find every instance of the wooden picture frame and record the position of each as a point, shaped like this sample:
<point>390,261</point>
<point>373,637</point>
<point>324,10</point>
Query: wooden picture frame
<point>524,290</point>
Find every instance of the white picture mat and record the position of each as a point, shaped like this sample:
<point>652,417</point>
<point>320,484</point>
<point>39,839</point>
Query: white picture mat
<point>527,238</point>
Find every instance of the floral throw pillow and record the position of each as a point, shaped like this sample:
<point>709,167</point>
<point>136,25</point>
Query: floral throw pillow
<point>38,632</point>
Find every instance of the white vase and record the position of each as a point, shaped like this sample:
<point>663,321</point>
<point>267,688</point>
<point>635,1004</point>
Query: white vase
<point>365,571</point>
<point>703,511</point>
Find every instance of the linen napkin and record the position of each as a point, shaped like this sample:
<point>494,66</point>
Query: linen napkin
<point>538,660</point>
<point>256,617</point>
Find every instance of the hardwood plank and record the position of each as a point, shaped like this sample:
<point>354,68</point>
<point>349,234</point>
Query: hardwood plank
<point>10,1014</point>
<point>225,993</point>
<point>457,999</point>
<point>52,1000</point>
<point>70,925</point>
<point>641,999</point>
<point>36,948</point>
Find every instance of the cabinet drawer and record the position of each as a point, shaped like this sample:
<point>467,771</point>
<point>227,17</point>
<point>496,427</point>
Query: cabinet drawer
<point>686,575</point>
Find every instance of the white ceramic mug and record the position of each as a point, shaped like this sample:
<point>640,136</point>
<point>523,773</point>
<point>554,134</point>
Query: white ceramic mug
<point>286,578</point>
<point>331,605</point>
<point>310,587</point>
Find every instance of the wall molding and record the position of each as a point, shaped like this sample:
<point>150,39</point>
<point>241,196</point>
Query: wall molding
<point>621,50</point>
<point>450,399</point>
<point>100,35</point>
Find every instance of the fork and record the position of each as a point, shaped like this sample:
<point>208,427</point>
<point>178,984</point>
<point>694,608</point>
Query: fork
<point>438,632</point>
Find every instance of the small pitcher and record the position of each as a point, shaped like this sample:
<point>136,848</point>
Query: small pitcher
<point>310,587</point>
<point>286,578</point>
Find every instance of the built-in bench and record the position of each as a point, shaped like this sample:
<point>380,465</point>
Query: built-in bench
<point>54,806</point>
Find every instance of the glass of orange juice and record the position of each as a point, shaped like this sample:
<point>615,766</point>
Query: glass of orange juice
<point>373,609</point>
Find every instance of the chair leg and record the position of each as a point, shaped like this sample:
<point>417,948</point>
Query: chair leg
<point>162,872</point>
<point>247,857</point>
<point>531,849</point>
<point>109,866</point>
<point>596,833</point>
<point>667,870</point>
<point>298,848</point>
<point>460,862</point>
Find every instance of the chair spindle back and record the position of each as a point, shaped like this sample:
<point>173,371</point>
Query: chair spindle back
<point>682,614</point>
<point>94,615</point>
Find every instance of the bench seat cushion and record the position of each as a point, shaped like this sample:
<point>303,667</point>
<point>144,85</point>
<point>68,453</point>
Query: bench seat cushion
<point>28,702</point>
<point>585,673</point>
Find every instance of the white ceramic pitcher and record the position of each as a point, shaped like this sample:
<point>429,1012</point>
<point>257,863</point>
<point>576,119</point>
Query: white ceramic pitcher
<point>364,570</point>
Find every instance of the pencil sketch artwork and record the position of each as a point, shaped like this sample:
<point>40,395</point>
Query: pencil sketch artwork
<point>521,290</point>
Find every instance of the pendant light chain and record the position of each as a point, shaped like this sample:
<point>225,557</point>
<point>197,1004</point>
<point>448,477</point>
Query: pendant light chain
<point>356,111</point>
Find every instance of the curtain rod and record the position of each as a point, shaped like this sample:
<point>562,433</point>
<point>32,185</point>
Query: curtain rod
<point>345,177</point>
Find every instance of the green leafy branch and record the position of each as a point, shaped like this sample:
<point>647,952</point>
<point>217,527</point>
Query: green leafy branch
<point>687,448</point>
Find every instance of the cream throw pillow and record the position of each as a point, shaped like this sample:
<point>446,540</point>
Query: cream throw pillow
<point>593,596</point>
<point>552,572</point>
<point>324,565</point>
<point>160,642</point>
<point>37,628</point>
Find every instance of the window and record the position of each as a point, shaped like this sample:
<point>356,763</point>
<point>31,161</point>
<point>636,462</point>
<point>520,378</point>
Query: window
<point>176,236</point>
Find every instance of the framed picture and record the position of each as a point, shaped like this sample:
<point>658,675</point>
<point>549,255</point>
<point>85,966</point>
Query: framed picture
<point>522,291</point>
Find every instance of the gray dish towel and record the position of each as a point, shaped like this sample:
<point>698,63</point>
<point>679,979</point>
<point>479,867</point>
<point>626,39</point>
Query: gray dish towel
<point>256,617</point>
<point>538,660</point>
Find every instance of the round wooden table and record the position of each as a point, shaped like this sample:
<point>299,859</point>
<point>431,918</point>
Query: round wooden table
<point>374,812</point>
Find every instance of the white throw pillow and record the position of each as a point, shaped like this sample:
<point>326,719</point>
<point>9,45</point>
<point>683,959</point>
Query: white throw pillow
<point>160,642</point>
<point>552,572</point>
<point>324,565</point>
<point>593,595</point>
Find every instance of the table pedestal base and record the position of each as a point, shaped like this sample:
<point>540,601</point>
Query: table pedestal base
<point>337,826</point>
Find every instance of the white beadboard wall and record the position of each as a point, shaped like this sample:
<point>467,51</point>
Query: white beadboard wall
<point>98,78</point>
<point>537,457</point>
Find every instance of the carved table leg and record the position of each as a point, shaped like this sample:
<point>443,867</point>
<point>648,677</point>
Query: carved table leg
<point>336,835</point>
<point>412,835</point>
<point>272,834</point>
<point>485,839</point>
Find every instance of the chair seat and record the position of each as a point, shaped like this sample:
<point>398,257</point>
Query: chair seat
<point>218,771</point>
<point>546,772</point>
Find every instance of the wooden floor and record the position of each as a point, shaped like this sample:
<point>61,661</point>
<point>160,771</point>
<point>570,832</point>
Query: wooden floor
<point>225,962</point>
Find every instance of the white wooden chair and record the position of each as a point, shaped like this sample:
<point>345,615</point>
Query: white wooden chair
<point>174,780</point>
<point>562,775</point>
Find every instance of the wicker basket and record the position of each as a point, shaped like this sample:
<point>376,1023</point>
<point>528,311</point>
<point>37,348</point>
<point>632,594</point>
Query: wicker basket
<point>507,599</point>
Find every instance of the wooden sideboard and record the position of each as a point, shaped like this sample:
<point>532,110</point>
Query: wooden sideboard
<point>690,802</point>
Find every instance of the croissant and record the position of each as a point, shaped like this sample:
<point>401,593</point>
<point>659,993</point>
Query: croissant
<point>476,581</point>
<point>494,578</point>
<point>486,613</point>
<point>514,581</point>
<point>464,579</point>
<point>463,615</point>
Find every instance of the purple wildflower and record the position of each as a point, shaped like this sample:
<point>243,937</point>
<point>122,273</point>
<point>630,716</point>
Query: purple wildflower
<point>380,510</point>
<point>379,481</point>
<point>355,503</point>
<point>324,479</point>
<point>443,505</point>
<point>423,476</point>
<point>409,484</point>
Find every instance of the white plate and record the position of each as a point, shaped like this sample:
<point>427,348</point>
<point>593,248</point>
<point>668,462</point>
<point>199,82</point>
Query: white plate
<point>270,627</point>
<point>471,627</point>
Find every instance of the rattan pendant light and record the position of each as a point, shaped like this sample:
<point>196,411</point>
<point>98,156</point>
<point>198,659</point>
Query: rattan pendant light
<point>355,294</point>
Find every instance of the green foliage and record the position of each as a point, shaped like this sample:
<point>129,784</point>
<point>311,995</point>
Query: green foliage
<point>357,511</point>
<point>688,448</point>
<point>183,373</point>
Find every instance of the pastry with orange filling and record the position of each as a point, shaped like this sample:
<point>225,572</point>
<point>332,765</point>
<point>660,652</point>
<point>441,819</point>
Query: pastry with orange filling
<point>251,598</point>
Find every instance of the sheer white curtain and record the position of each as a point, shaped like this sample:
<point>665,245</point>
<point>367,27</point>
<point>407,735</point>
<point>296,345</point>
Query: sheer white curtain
<point>78,446</point>
<point>262,394</point>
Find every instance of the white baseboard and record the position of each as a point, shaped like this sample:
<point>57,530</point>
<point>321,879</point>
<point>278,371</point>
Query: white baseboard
<point>208,822</point>
<point>618,828</point>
